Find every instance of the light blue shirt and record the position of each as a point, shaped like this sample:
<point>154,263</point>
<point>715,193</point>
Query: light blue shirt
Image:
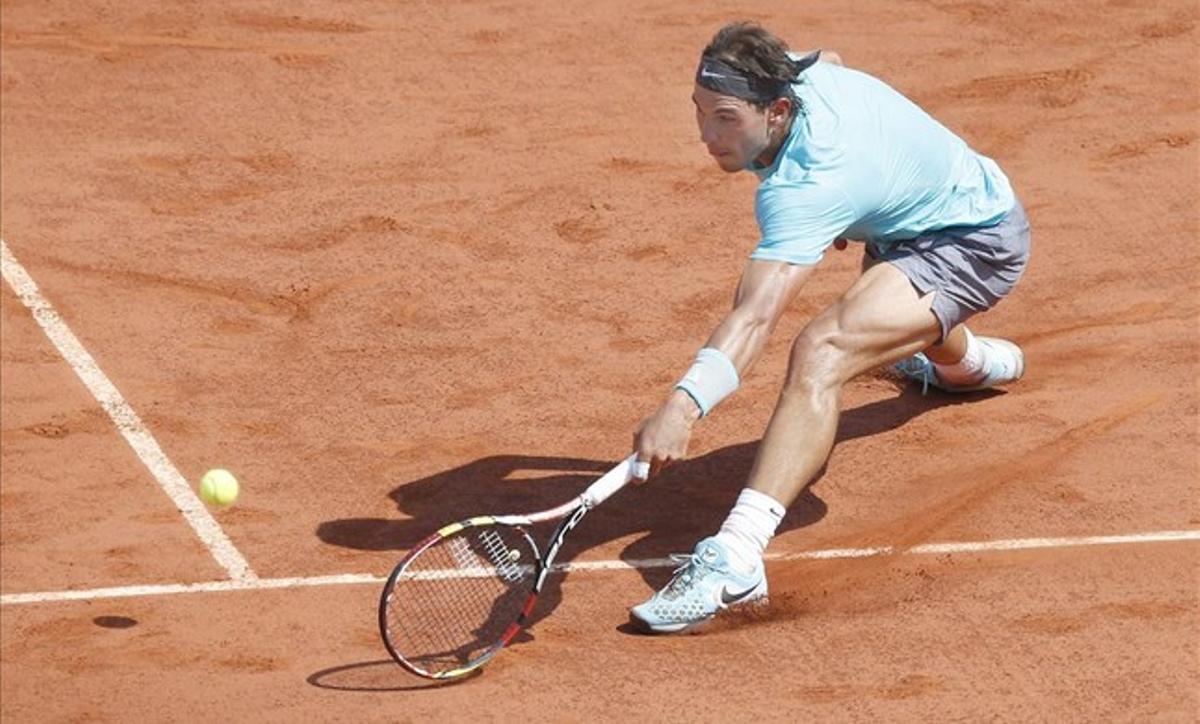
<point>863,162</point>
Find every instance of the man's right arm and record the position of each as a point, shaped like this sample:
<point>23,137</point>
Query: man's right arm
<point>764,293</point>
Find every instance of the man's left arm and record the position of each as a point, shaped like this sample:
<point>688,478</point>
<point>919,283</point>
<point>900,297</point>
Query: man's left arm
<point>827,56</point>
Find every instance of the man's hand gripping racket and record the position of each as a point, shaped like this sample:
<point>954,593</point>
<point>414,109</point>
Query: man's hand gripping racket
<point>464,592</point>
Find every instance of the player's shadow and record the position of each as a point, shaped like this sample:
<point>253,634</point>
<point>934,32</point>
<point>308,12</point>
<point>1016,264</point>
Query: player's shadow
<point>688,501</point>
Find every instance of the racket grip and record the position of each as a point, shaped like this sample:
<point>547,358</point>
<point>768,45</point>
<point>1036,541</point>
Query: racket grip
<point>609,483</point>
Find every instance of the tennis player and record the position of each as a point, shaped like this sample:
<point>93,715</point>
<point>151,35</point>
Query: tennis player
<point>840,156</point>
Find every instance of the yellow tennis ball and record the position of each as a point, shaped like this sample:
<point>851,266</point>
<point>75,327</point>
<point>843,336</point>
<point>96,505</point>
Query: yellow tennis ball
<point>218,487</point>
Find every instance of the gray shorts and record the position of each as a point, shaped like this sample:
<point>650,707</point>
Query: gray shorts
<point>969,268</point>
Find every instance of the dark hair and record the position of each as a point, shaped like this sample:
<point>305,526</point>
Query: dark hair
<point>760,56</point>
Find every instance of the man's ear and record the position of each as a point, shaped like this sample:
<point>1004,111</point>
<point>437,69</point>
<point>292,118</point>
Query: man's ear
<point>779,109</point>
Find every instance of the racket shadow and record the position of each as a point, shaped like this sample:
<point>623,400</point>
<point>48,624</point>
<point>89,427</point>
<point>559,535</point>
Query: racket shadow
<point>688,501</point>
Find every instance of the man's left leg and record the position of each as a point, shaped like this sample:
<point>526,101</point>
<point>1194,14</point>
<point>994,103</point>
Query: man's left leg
<point>880,319</point>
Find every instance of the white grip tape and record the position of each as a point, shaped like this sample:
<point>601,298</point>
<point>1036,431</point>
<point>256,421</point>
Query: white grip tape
<point>610,482</point>
<point>712,378</point>
<point>640,469</point>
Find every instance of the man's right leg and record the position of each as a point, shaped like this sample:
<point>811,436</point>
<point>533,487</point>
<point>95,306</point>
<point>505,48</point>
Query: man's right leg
<point>968,272</point>
<point>952,349</point>
<point>946,352</point>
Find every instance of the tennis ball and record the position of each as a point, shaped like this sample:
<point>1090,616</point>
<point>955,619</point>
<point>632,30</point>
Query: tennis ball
<point>218,487</point>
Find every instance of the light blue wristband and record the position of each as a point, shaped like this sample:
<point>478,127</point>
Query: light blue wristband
<point>712,378</point>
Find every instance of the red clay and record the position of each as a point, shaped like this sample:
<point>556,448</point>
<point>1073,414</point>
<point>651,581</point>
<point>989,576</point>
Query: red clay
<point>398,264</point>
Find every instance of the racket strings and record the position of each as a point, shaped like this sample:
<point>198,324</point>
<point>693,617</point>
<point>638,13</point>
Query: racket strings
<point>428,613</point>
<point>502,557</point>
<point>456,599</point>
<point>462,601</point>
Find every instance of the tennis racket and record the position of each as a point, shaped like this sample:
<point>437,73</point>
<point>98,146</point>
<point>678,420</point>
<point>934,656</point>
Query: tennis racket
<point>464,592</point>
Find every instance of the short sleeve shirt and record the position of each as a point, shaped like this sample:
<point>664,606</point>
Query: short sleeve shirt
<point>863,162</point>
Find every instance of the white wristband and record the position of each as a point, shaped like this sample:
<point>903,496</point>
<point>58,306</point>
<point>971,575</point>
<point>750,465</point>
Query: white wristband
<point>712,378</point>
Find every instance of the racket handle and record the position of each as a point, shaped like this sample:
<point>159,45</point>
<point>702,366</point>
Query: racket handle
<point>609,483</point>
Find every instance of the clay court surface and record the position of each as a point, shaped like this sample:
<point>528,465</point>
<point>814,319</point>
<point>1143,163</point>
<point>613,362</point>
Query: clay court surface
<point>399,263</point>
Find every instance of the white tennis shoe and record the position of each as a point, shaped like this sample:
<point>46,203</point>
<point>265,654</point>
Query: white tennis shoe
<point>702,586</point>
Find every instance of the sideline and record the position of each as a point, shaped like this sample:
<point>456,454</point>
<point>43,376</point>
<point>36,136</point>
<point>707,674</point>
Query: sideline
<point>128,423</point>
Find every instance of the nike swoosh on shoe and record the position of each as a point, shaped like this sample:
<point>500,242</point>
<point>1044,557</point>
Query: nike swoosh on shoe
<point>727,598</point>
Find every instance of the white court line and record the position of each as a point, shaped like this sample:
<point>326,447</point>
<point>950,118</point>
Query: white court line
<point>1016,544</point>
<point>126,420</point>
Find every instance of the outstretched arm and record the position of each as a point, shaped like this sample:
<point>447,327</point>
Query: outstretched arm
<point>765,290</point>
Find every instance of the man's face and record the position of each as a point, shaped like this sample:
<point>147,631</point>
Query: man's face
<point>735,132</point>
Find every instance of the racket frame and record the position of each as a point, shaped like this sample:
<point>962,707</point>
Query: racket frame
<point>571,513</point>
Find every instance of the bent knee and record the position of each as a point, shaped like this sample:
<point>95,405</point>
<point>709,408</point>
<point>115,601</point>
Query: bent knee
<point>818,359</point>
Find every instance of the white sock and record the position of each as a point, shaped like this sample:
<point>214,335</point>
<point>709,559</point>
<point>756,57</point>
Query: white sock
<point>749,528</point>
<point>969,370</point>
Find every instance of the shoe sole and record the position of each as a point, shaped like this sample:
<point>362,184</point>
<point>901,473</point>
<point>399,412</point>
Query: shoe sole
<point>692,627</point>
<point>682,628</point>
